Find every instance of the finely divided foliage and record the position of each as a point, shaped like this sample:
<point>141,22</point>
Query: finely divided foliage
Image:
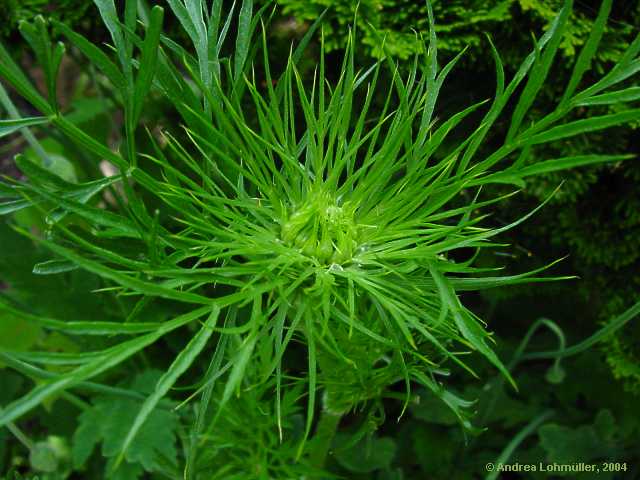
<point>281,212</point>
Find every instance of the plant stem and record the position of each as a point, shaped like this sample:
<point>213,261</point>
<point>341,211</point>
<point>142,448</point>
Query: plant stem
<point>22,437</point>
<point>325,431</point>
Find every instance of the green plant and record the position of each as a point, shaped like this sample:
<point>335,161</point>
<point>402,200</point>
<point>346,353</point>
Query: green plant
<point>284,221</point>
<point>604,243</point>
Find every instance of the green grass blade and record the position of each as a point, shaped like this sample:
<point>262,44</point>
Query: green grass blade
<point>82,327</point>
<point>627,66</point>
<point>568,163</point>
<point>109,16</point>
<point>120,225</point>
<point>539,72</point>
<point>467,325</point>
<point>579,127</point>
<point>296,56</point>
<point>95,55</point>
<point>243,39</point>
<point>130,17</point>
<point>588,51</point>
<point>214,371</point>
<point>51,359</point>
<point>41,374</point>
<point>37,36</point>
<point>517,174</point>
<point>430,72</point>
<point>180,11</point>
<point>11,109</point>
<point>240,363</point>
<point>481,283</point>
<point>148,61</point>
<point>7,127</point>
<point>501,101</point>
<point>630,94</point>
<point>312,373</point>
<point>141,286</point>
<point>35,397</point>
<point>10,71</point>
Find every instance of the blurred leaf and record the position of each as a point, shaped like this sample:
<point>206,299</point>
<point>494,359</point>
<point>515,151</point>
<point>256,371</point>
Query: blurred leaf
<point>63,168</point>
<point>497,405</point>
<point>43,458</point>
<point>588,442</point>
<point>434,449</point>
<point>17,333</point>
<point>432,409</point>
<point>12,383</point>
<point>50,456</point>
<point>109,420</point>
<point>369,454</point>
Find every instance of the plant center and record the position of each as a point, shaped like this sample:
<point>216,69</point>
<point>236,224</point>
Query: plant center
<point>322,228</point>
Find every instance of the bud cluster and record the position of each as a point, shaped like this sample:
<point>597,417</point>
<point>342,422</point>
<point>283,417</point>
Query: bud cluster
<point>322,229</point>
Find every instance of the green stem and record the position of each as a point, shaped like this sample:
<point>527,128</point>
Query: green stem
<point>323,438</point>
<point>22,437</point>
